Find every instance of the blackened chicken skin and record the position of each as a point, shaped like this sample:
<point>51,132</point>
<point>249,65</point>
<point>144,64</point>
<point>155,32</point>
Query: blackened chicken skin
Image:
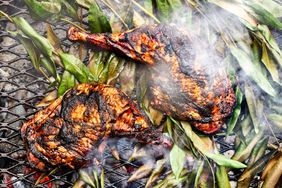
<point>66,132</point>
<point>181,84</point>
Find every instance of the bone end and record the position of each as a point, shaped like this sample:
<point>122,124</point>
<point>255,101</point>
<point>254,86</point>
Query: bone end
<point>74,34</point>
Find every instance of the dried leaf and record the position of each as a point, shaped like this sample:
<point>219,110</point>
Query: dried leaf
<point>156,172</point>
<point>53,39</point>
<point>48,99</point>
<point>269,64</point>
<point>250,172</point>
<point>141,172</point>
<point>86,178</point>
<point>271,163</point>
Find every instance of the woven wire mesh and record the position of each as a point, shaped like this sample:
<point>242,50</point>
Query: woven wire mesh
<point>21,87</point>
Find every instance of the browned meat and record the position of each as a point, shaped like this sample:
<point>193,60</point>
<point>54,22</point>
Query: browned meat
<point>181,83</point>
<point>66,132</point>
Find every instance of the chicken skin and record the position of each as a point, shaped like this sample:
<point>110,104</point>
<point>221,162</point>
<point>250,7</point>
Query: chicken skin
<point>181,83</point>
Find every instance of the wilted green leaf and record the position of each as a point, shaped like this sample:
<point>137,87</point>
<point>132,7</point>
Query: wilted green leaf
<point>166,8</point>
<point>269,64</point>
<point>70,8</point>
<point>255,107</point>
<point>199,172</point>
<point>266,37</point>
<point>200,145</point>
<point>103,77</point>
<point>50,67</point>
<point>86,178</point>
<point>32,51</point>
<point>115,67</point>
<point>41,43</point>
<point>237,10</point>
<point>97,21</point>
<point>77,68</point>
<point>177,158</point>
<point>258,151</point>
<point>222,177</point>
<point>276,120</point>
<point>247,65</point>
<point>263,15</point>
<point>43,9</point>
<point>67,82</point>
<point>236,112</point>
<point>156,172</point>
<point>224,161</point>
<point>96,63</point>
<point>244,153</point>
<point>127,77</point>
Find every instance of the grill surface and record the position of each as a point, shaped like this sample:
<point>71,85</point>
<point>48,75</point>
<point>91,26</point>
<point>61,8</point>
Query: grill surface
<point>21,87</point>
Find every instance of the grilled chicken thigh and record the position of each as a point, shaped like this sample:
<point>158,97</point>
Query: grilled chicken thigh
<point>66,132</point>
<point>182,84</point>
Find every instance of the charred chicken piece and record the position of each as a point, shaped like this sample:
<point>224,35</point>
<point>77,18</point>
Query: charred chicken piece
<point>66,132</point>
<point>182,84</point>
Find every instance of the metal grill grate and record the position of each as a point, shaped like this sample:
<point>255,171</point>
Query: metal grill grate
<point>21,87</point>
